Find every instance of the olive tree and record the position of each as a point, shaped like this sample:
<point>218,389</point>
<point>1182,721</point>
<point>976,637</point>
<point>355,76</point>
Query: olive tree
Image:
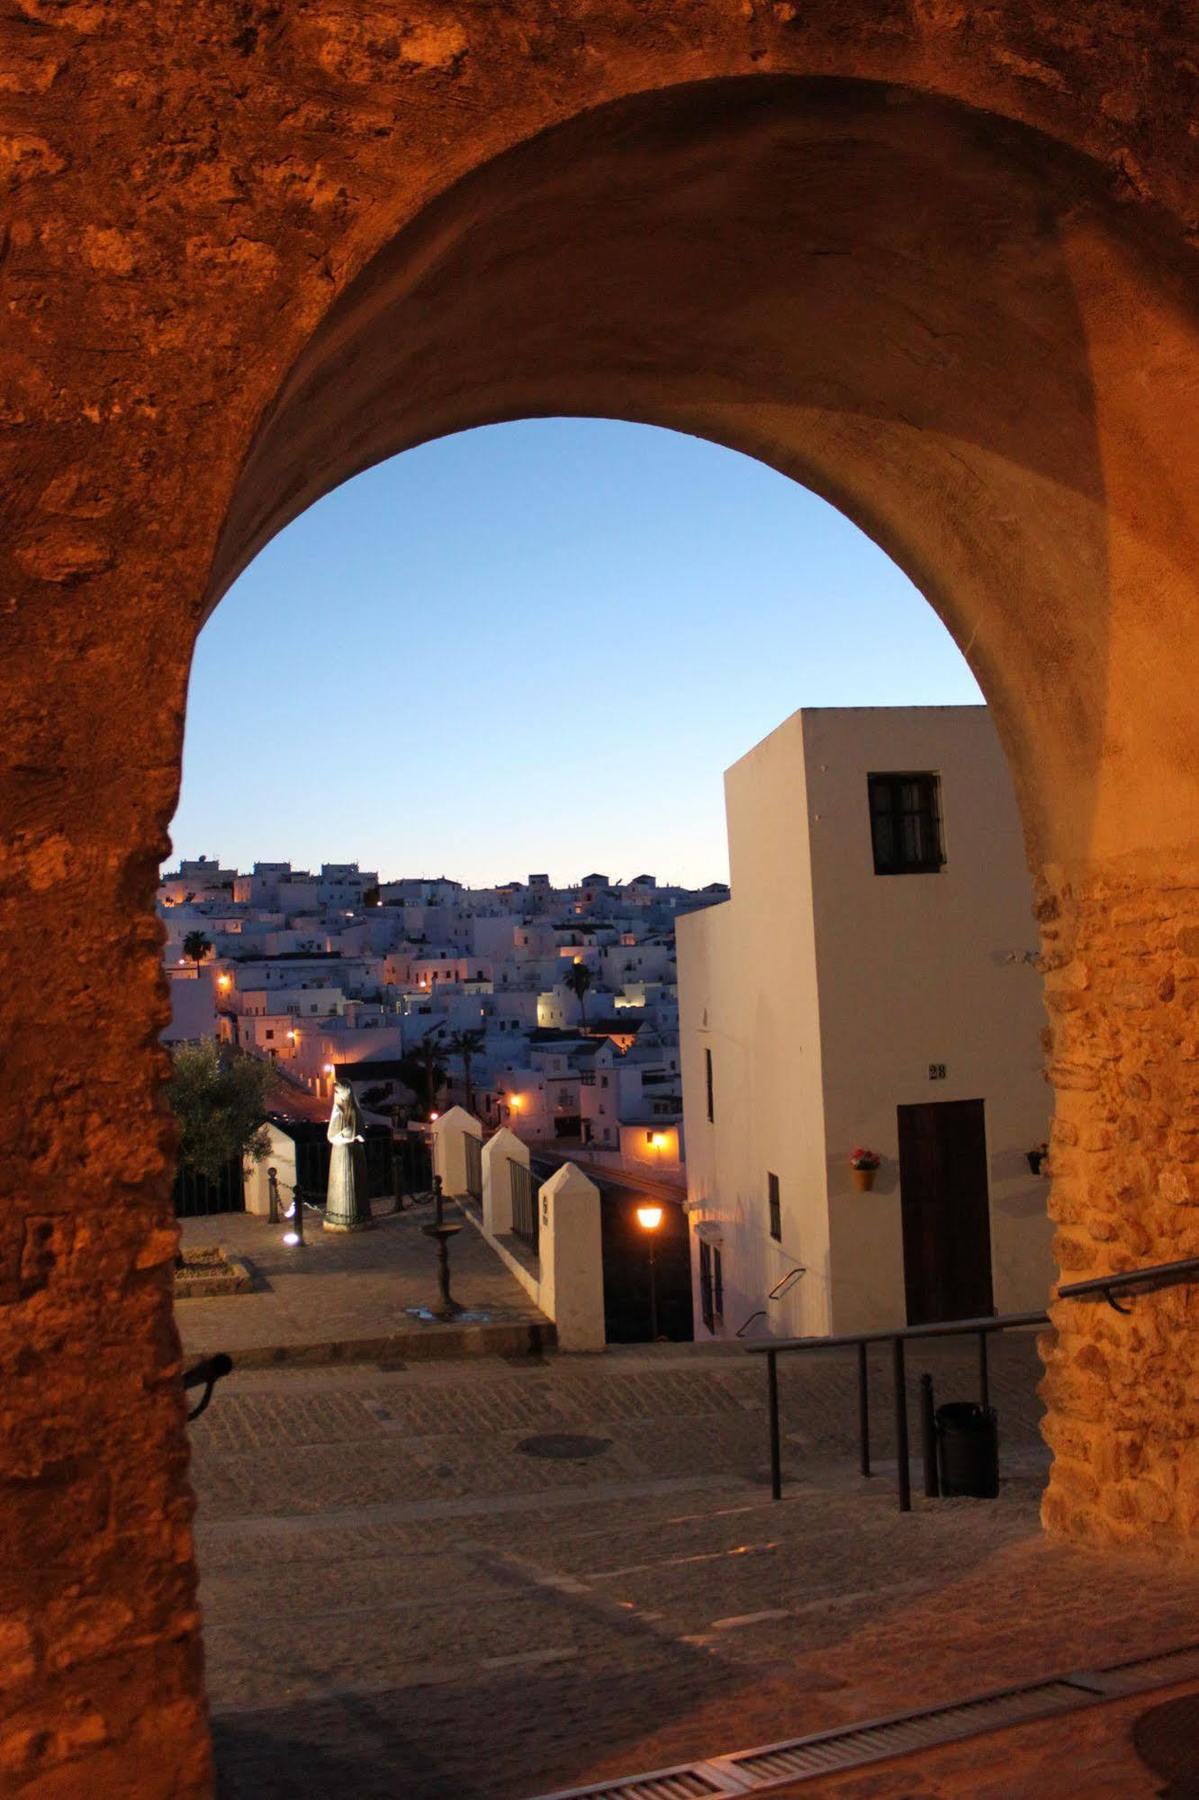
<point>219,1098</point>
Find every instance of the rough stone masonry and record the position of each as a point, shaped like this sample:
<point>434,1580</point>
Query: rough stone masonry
<point>934,260</point>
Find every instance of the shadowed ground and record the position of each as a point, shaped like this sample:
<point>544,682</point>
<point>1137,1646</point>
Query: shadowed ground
<point>400,1598</point>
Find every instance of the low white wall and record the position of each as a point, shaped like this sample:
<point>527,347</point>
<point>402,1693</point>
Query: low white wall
<point>499,1150</point>
<point>449,1134</point>
<point>283,1160</point>
<point>566,1277</point>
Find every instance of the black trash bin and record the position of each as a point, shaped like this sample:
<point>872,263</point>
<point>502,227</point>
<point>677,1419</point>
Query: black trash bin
<point>968,1443</point>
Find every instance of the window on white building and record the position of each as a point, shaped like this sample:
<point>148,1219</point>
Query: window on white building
<point>776,1208</point>
<point>711,1285</point>
<point>905,824</point>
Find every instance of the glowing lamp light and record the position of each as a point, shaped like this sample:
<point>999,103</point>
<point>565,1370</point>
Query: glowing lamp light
<point>291,1237</point>
<point>328,1068</point>
<point>649,1217</point>
<point>291,1037</point>
<point>658,1140</point>
<point>433,1116</point>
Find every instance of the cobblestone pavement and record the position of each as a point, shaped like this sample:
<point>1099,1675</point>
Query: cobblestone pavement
<point>342,1286</point>
<point>400,1599</point>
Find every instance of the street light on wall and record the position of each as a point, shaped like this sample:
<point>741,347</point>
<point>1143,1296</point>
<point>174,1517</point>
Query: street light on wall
<point>650,1218</point>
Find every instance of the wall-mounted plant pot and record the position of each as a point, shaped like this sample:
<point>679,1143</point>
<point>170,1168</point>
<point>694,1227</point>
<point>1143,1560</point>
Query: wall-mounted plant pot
<point>1035,1159</point>
<point>863,1179</point>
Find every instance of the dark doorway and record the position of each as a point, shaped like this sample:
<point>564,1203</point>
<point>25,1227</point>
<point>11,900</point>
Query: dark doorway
<point>946,1211</point>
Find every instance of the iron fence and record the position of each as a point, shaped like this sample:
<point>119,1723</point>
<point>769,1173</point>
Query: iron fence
<point>413,1164</point>
<point>474,1166</point>
<point>525,1211</point>
<point>196,1196</point>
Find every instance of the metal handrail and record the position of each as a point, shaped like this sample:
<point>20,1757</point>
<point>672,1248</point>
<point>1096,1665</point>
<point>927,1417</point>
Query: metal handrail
<point>1099,1287</point>
<point>773,1348</point>
<point>206,1374</point>
<point>742,1329</point>
<point>1156,1275</point>
<point>941,1328</point>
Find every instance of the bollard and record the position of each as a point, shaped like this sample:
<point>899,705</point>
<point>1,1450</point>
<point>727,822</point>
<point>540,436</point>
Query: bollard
<point>928,1438</point>
<point>772,1404</point>
<point>272,1187</point>
<point>904,1472</point>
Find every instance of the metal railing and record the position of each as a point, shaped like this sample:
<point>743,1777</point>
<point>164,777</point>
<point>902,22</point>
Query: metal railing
<point>1100,1287</point>
<point>772,1349</point>
<point>473,1147</point>
<point>1156,1275</point>
<point>206,1374</point>
<point>526,1222</point>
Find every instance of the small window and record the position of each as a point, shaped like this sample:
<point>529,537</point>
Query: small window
<point>905,824</point>
<point>711,1286</point>
<point>776,1208</point>
<point>711,1090</point>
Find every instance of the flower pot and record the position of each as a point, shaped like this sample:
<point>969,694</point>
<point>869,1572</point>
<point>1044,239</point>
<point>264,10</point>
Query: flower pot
<point>863,1179</point>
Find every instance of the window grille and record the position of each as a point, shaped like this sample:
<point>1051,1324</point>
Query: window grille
<point>776,1209</point>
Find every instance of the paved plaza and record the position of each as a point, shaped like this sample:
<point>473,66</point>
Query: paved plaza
<point>482,1580</point>
<point>353,1294</point>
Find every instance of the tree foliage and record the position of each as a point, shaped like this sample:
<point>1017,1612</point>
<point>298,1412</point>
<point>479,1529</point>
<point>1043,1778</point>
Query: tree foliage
<point>219,1099</point>
<point>423,1072</point>
<point>467,1044</point>
<point>578,980</point>
<point>196,946</point>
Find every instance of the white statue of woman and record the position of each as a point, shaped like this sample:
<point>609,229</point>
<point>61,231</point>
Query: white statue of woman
<point>347,1207</point>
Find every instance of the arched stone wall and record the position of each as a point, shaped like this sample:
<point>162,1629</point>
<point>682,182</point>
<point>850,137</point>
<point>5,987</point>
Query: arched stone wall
<point>938,264</point>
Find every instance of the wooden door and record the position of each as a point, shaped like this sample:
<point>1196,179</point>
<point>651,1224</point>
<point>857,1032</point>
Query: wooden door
<point>946,1211</point>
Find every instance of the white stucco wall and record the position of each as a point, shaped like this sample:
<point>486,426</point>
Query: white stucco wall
<point>747,991</point>
<point>916,970</point>
<point>824,991</point>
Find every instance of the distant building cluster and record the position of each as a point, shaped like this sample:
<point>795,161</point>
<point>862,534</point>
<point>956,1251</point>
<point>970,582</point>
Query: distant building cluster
<point>553,1010</point>
<point>859,1054</point>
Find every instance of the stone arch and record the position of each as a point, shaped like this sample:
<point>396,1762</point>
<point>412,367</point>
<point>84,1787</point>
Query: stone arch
<point>946,325</point>
<point>235,257</point>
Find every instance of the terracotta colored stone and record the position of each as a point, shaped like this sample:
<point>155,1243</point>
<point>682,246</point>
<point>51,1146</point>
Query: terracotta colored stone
<point>935,261</point>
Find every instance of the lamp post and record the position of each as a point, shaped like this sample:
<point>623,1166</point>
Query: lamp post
<point>649,1218</point>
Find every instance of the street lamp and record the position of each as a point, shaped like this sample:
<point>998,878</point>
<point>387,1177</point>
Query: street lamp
<point>649,1218</point>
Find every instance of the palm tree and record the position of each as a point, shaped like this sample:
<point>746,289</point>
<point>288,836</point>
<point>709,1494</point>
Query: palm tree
<point>196,947</point>
<point>420,1067</point>
<point>467,1044</point>
<point>578,980</point>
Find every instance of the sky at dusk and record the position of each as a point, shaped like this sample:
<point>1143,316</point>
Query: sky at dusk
<point>536,647</point>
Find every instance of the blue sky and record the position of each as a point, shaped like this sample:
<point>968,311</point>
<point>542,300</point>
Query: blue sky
<point>536,647</point>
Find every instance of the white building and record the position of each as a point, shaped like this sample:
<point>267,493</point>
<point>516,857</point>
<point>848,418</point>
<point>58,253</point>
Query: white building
<point>869,983</point>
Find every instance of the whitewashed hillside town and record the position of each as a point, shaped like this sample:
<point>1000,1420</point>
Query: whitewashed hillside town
<point>842,1070</point>
<point>554,1011</point>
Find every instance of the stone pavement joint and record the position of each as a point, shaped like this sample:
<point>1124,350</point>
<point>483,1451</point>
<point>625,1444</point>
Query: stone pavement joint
<point>446,1618</point>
